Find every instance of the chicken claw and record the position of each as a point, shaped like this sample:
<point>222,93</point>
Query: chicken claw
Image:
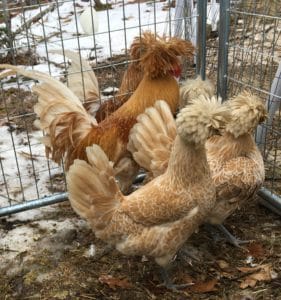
<point>231,238</point>
<point>167,282</point>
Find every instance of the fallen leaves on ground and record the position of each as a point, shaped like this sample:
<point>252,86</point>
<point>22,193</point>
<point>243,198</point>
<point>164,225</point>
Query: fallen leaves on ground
<point>256,250</point>
<point>260,273</point>
<point>114,282</point>
<point>204,287</point>
<point>223,264</point>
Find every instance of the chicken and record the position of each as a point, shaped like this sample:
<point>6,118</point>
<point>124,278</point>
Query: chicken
<point>89,20</point>
<point>192,88</point>
<point>159,217</point>
<point>70,129</point>
<point>235,161</point>
<point>130,80</point>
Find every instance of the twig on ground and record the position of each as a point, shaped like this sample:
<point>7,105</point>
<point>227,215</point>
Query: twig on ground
<point>34,19</point>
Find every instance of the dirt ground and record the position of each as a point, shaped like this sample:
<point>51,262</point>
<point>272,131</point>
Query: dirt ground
<point>61,265</point>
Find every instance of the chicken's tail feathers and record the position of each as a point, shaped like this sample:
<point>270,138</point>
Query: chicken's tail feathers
<point>61,113</point>
<point>55,88</point>
<point>160,55</point>
<point>151,138</point>
<point>193,88</point>
<point>247,111</point>
<point>93,191</point>
<point>203,118</point>
<point>81,78</point>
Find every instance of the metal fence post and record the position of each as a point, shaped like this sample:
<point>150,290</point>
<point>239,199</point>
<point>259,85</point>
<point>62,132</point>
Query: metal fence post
<point>201,38</point>
<point>224,24</point>
<point>32,204</point>
<point>273,104</point>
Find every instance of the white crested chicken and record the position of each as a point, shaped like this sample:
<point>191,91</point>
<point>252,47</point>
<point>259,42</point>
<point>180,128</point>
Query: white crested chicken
<point>235,161</point>
<point>160,216</point>
<point>70,129</point>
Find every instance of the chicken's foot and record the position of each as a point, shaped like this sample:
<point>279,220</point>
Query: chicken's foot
<point>231,238</point>
<point>184,252</point>
<point>167,282</point>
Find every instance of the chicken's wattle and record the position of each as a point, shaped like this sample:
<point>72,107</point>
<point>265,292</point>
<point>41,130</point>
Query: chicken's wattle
<point>176,71</point>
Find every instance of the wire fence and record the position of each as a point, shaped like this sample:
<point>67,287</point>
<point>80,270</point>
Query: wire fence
<point>240,39</point>
<point>254,62</point>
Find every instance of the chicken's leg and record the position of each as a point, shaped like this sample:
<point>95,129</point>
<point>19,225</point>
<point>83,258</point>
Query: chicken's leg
<point>167,282</point>
<point>231,238</point>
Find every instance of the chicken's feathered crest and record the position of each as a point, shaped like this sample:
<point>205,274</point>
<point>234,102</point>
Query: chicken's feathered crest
<point>193,88</point>
<point>159,55</point>
<point>247,112</point>
<point>198,121</point>
<point>137,48</point>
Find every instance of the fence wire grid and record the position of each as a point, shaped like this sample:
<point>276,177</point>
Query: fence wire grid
<point>32,32</point>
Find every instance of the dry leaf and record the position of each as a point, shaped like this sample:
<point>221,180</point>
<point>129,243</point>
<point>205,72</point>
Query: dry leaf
<point>113,282</point>
<point>260,273</point>
<point>256,250</point>
<point>205,287</point>
<point>248,282</point>
<point>185,278</point>
<point>223,264</point>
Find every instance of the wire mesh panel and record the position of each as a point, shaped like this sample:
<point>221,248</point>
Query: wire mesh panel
<point>253,60</point>
<point>39,35</point>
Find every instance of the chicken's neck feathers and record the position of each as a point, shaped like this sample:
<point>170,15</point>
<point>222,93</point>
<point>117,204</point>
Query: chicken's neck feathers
<point>184,158</point>
<point>228,146</point>
<point>148,92</point>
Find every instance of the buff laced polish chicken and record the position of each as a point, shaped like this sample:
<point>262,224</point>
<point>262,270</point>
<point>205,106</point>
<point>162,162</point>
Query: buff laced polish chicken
<point>159,217</point>
<point>236,163</point>
<point>68,127</point>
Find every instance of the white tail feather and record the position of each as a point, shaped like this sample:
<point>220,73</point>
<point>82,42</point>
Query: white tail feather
<point>81,78</point>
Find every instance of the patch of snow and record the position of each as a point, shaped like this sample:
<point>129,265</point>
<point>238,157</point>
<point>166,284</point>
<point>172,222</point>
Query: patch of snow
<point>111,90</point>
<point>91,251</point>
<point>26,168</point>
